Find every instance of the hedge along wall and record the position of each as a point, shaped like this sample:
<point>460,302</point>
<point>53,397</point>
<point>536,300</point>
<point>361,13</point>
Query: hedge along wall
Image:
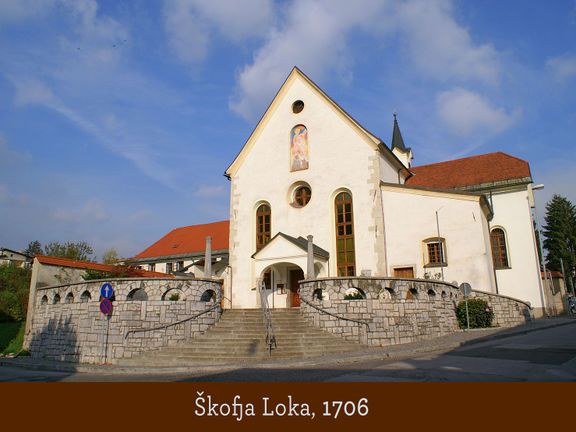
<point>67,323</point>
<point>396,310</point>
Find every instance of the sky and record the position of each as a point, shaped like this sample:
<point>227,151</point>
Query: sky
<point>119,118</point>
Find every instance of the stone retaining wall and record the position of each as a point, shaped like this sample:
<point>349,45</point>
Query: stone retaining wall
<point>74,329</point>
<point>396,310</point>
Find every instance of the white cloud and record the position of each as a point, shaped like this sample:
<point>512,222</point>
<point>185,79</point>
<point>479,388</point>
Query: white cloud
<point>93,211</point>
<point>190,24</point>
<point>465,112</point>
<point>11,10</point>
<point>211,191</point>
<point>9,157</point>
<point>442,48</point>
<point>315,36</point>
<point>563,67</point>
<point>31,91</point>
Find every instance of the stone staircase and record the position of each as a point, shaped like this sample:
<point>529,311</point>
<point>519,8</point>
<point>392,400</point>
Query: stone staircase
<point>239,337</point>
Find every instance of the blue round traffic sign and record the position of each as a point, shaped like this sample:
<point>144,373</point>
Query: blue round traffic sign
<point>107,291</point>
<point>106,306</point>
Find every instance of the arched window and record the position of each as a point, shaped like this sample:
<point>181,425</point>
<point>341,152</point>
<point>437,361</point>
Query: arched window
<point>85,297</point>
<point>263,225</point>
<point>499,253</point>
<point>69,298</point>
<point>346,262</point>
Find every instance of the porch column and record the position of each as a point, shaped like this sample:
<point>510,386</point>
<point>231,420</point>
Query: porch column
<point>208,258</point>
<point>310,263</point>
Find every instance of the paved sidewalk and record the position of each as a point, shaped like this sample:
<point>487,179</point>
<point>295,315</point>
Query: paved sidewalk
<point>440,344</point>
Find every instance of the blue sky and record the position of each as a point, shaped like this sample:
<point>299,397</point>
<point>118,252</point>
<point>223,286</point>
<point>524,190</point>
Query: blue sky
<point>118,119</point>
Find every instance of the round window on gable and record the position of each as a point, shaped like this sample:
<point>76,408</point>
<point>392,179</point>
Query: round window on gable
<point>297,106</point>
<point>302,196</point>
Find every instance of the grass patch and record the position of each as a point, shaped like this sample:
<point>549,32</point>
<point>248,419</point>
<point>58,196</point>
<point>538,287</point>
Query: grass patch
<point>11,336</point>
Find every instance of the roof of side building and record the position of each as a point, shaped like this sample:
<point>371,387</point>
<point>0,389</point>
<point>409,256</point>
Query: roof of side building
<point>476,170</point>
<point>87,265</point>
<point>189,240</point>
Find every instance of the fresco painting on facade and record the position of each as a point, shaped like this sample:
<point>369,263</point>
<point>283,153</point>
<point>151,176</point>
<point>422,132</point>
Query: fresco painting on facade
<point>299,158</point>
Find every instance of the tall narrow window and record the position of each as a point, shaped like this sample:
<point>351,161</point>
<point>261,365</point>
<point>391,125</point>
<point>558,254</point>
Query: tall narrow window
<point>263,225</point>
<point>499,253</point>
<point>346,262</point>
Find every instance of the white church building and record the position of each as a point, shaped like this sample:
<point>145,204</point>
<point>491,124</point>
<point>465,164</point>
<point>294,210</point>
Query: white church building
<point>310,176</point>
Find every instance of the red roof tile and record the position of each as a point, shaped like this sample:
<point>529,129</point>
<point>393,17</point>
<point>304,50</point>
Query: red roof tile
<point>64,262</point>
<point>475,170</point>
<point>189,240</point>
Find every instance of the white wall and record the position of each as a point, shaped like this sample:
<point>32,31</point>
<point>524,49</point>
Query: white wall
<point>410,218</point>
<point>512,213</point>
<point>339,158</point>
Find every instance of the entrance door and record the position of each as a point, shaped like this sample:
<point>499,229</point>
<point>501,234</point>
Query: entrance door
<point>404,272</point>
<point>295,276</point>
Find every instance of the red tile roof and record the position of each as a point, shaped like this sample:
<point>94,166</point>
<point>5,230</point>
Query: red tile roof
<point>64,262</point>
<point>189,240</point>
<point>475,170</point>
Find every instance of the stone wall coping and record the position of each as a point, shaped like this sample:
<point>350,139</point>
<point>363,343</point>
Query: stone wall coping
<point>163,279</point>
<point>384,278</point>
<point>527,303</point>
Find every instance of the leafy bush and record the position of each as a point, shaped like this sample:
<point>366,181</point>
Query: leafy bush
<point>11,337</point>
<point>14,289</point>
<point>356,295</point>
<point>174,297</point>
<point>480,313</point>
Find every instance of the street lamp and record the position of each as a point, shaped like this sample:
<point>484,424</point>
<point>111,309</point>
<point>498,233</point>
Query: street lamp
<point>541,262</point>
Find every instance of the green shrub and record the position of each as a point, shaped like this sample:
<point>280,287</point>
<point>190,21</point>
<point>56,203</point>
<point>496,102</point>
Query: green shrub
<point>356,295</point>
<point>14,288</point>
<point>11,337</point>
<point>480,313</point>
<point>174,297</point>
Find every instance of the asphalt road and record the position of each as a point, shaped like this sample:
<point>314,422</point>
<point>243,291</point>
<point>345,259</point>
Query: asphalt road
<point>540,355</point>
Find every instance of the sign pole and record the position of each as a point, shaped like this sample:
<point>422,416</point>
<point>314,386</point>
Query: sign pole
<point>466,289</point>
<point>106,342</point>
<point>467,316</point>
<point>107,293</point>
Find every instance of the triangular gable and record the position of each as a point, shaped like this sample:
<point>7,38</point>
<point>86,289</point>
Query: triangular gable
<point>296,73</point>
<point>283,245</point>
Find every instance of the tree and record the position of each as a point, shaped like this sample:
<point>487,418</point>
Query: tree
<point>110,257</point>
<point>34,248</point>
<point>14,288</point>
<point>80,251</point>
<point>560,235</point>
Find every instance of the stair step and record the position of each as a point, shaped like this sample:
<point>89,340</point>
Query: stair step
<point>239,338</point>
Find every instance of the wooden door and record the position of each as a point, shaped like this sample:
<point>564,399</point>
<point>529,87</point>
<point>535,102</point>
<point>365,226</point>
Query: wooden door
<point>404,272</point>
<point>295,276</point>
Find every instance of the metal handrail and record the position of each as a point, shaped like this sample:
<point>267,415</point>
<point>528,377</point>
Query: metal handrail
<point>319,309</point>
<point>174,323</point>
<point>270,337</point>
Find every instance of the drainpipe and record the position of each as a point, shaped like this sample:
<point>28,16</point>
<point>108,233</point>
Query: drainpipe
<point>208,258</point>
<point>310,263</point>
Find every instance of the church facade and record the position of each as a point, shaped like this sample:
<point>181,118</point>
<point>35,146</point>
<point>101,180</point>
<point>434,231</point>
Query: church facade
<point>315,195</point>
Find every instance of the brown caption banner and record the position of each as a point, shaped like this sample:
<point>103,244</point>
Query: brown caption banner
<point>338,406</point>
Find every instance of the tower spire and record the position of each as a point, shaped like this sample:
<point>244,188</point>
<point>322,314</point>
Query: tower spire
<point>397,141</point>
